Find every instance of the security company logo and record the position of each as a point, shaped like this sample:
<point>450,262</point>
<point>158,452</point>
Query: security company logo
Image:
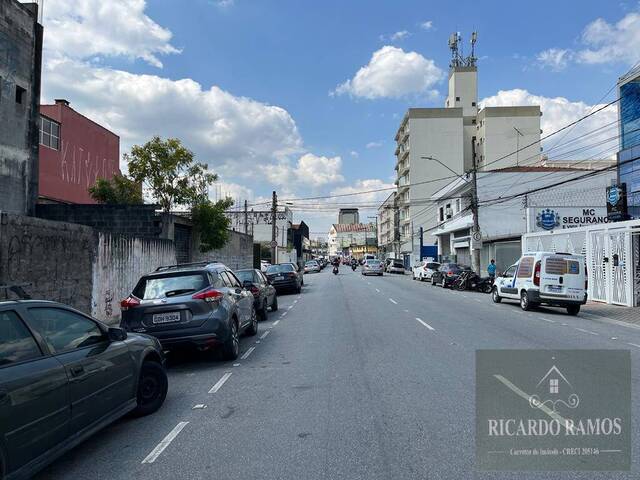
<point>553,410</point>
<point>548,219</point>
<point>614,195</point>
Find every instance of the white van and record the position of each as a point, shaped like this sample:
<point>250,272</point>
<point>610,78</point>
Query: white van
<point>556,279</point>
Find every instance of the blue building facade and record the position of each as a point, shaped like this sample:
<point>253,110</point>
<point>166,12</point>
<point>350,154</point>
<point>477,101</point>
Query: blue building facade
<point>629,154</point>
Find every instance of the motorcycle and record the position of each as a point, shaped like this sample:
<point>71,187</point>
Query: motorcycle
<point>469,280</point>
<point>335,269</point>
<point>353,267</point>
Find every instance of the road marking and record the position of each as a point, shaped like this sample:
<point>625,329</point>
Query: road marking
<point>289,307</point>
<point>586,331</point>
<point>426,324</point>
<point>633,344</point>
<point>220,382</point>
<point>393,301</point>
<point>478,300</point>
<point>298,297</point>
<point>236,364</point>
<point>406,311</point>
<point>464,295</point>
<point>378,290</point>
<point>546,320</point>
<point>295,301</point>
<point>276,322</point>
<point>283,314</point>
<point>155,453</point>
<point>264,335</point>
<point>198,406</point>
<point>247,353</point>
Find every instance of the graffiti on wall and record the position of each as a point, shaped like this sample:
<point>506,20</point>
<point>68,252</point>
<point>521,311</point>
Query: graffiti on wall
<point>81,167</point>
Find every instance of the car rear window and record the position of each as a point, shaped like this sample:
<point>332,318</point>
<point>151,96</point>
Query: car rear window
<point>170,285</point>
<point>245,275</point>
<point>286,267</point>
<point>373,262</point>
<point>555,266</point>
<point>398,264</point>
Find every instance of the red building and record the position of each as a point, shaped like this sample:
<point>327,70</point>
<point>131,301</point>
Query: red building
<point>74,152</point>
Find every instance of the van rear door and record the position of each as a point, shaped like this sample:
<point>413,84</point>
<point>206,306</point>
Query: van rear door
<point>563,275</point>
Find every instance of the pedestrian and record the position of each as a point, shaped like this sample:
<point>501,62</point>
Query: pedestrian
<point>491,270</point>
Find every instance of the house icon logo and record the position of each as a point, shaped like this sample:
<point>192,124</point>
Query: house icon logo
<point>547,219</point>
<point>554,391</point>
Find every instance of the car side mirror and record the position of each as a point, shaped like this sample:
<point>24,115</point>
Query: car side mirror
<point>117,334</point>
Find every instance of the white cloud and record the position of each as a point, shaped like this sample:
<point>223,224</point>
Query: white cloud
<point>236,191</point>
<point>428,25</point>
<point>374,145</point>
<point>377,189</point>
<point>225,3</point>
<point>310,170</point>
<point>397,36</point>
<point>558,112</point>
<point>87,28</point>
<point>607,42</point>
<point>554,58</point>
<point>354,154</point>
<point>392,73</point>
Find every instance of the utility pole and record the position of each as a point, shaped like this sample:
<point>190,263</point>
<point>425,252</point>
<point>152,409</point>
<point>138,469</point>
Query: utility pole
<point>274,214</point>
<point>475,252</point>
<point>246,218</point>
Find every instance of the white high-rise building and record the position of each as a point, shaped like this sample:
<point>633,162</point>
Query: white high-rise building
<point>450,137</point>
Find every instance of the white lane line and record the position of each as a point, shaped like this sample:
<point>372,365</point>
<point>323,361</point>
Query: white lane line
<point>546,320</point>
<point>378,290</point>
<point>247,353</point>
<point>155,453</point>
<point>220,382</point>
<point>586,331</point>
<point>298,297</point>
<point>289,307</point>
<point>198,406</point>
<point>478,300</point>
<point>393,301</point>
<point>283,314</point>
<point>295,301</point>
<point>264,335</point>
<point>633,344</point>
<point>426,324</point>
<point>276,322</point>
<point>406,311</point>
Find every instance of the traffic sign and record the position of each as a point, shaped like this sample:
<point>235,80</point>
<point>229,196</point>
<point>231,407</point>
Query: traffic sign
<point>477,236</point>
<point>273,244</point>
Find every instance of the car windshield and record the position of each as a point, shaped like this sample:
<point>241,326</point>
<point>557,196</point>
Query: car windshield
<point>283,268</point>
<point>169,285</point>
<point>244,275</point>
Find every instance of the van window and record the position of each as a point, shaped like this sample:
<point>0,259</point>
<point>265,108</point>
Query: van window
<point>525,270</point>
<point>555,266</point>
<point>573,267</point>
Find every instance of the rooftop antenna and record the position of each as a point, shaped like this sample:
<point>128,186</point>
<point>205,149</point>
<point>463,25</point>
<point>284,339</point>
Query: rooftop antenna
<point>453,46</point>
<point>472,58</point>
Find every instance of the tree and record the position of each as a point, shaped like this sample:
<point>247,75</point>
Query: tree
<point>119,190</point>
<point>211,223</point>
<point>169,171</point>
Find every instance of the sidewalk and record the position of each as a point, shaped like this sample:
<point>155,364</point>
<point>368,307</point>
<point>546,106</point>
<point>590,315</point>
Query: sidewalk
<point>615,313</point>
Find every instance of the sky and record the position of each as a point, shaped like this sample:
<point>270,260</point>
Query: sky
<point>305,97</point>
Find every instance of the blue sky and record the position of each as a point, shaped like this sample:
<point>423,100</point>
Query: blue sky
<point>253,86</point>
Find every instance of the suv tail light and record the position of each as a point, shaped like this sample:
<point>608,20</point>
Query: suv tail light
<point>450,273</point>
<point>129,302</point>
<point>208,295</point>
<point>536,274</point>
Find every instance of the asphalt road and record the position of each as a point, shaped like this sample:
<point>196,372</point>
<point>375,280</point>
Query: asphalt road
<point>356,378</point>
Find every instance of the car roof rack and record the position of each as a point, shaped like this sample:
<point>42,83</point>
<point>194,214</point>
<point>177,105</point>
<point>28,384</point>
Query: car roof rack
<point>180,265</point>
<point>18,290</point>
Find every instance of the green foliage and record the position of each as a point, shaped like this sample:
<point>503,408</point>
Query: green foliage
<point>211,223</point>
<point>169,171</point>
<point>120,190</point>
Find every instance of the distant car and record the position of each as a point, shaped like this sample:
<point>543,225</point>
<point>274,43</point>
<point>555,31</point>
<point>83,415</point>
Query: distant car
<point>264,265</point>
<point>424,270</point>
<point>63,377</point>
<point>201,305</point>
<point>311,266</point>
<point>372,267</point>
<point>395,266</point>
<point>446,274</point>
<point>284,276</point>
<point>264,294</point>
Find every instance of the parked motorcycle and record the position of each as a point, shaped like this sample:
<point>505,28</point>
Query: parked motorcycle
<point>468,280</point>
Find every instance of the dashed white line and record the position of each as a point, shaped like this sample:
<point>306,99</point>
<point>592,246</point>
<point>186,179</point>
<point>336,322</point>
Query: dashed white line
<point>155,453</point>
<point>478,300</point>
<point>276,322</point>
<point>198,406</point>
<point>546,320</point>
<point>264,335</point>
<point>283,314</point>
<point>633,344</point>
<point>425,324</point>
<point>406,311</point>
<point>378,290</point>
<point>586,331</point>
<point>393,301</point>
<point>247,353</point>
<point>289,307</point>
<point>220,383</point>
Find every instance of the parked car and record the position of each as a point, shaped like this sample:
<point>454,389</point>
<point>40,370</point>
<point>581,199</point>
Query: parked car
<point>201,305</point>
<point>446,274</point>
<point>284,276</point>
<point>63,377</point>
<point>311,266</point>
<point>396,267</point>
<point>424,270</point>
<point>555,279</point>
<point>264,294</point>
<point>372,267</point>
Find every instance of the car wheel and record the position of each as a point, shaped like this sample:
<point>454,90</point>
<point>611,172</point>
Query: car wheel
<point>263,311</point>
<point>525,304</point>
<point>495,296</point>
<point>252,329</point>
<point>573,309</point>
<point>152,388</point>
<point>274,305</point>
<point>231,347</point>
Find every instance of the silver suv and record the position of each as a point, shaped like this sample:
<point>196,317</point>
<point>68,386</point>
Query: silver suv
<point>201,305</point>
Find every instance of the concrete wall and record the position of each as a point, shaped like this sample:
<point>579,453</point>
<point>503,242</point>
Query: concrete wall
<point>119,263</point>
<point>20,65</point>
<point>56,258</point>
<point>237,253</point>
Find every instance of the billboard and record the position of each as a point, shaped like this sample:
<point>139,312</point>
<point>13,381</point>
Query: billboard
<point>542,219</point>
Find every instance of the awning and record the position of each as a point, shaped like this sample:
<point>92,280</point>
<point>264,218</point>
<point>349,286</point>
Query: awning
<point>456,224</point>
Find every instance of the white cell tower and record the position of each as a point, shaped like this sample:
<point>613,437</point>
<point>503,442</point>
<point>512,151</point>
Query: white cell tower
<point>457,55</point>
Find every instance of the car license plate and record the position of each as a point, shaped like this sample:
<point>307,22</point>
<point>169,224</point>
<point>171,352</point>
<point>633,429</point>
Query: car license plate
<point>166,317</point>
<point>279,277</point>
<point>555,288</point>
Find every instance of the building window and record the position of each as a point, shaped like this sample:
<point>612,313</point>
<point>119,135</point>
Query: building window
<point>20,94</point>
<point>473,122</point>
<point>457,205</point>
<point>441,214</point>
<point>457,99</point>
<point>473,104</point>
<point>553,385</point>
<point>49,133</point>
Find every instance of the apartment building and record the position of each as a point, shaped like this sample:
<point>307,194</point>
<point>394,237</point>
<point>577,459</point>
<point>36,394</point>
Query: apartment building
<point>387,245</point>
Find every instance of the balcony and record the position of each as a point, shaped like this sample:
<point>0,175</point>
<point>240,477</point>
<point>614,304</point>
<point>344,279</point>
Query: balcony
<point>404,154</point>
<point>403,168</point>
